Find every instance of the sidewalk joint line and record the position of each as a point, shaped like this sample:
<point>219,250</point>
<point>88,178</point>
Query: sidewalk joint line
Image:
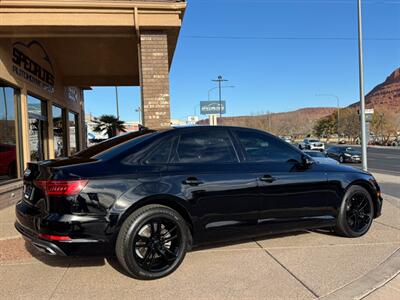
<point>390,226</point>
<point>59,282</point>
<point>287,270</point>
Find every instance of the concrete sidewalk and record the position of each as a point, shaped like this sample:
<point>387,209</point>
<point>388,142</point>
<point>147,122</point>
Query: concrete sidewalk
<point>303,265</point>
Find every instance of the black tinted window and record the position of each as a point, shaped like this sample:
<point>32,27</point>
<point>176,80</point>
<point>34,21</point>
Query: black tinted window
<point>115,141</point>
<point>162,152</point>
<point>261,147</point>
<point>211,146</point>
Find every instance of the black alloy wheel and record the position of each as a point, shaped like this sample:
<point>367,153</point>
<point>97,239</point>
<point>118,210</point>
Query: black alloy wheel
<point>156,245</point>
<point>356,213</point>
<point>152,242</point>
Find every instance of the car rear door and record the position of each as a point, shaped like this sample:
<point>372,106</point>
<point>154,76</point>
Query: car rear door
<point>292,195</point>
<point>205,171</point>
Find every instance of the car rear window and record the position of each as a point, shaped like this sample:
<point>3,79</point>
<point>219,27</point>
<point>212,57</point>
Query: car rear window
<point>115,141</point>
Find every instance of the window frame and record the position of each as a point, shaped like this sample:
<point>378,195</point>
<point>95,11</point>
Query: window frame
<point>64,119</point>
<point>178,139</point>
<point>18,132</point>
<point>76,123</point>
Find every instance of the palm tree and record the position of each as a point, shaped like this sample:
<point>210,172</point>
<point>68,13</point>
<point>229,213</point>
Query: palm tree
<point>110,125</point>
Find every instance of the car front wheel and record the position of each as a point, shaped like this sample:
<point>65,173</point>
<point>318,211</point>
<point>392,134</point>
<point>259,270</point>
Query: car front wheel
<point>341,159</point>
<point>356,213</point>
<point>152,242</point>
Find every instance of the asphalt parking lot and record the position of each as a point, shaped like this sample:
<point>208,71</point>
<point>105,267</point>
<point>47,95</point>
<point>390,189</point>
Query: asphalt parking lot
<point>302,265</point>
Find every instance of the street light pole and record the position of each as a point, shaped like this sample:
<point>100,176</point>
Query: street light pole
<point>139,110</point>
<point>222,87</point>
<point>116,100</point>
<point>362,96</point>
<point>220,80</point>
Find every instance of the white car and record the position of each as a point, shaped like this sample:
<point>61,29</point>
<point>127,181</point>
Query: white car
<point>312,144</point>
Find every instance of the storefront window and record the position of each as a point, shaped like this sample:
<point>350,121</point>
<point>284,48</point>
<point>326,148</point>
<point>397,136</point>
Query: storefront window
<point>8,149</point>
<point>73,132</point>
<point>37,114</point>
<point>58,131</point>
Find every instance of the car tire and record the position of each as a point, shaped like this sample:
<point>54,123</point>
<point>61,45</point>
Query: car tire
<point>341,159</point>
<point>300,147</point>
<point>152,242</point>
<point>356,213</point>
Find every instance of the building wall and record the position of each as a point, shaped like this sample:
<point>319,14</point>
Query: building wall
<point>155,79</point>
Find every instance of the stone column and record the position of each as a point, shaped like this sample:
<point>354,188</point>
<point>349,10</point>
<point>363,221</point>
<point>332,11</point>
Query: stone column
<point>154,79</point>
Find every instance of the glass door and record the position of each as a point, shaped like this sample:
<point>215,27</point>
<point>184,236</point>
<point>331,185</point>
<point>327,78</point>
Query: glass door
<point>37,114</point>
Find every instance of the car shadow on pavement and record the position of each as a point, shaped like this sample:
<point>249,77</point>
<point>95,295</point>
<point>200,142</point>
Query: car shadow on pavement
<point>101,260</point>
<point>65,261</point>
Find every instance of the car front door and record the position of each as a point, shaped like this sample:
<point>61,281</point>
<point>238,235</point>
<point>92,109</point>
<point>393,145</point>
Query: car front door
<point>205,171</point>
<point>293,194</point>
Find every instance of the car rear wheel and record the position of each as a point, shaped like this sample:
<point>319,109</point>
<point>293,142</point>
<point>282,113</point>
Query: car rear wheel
<point>152,242</point>
<point>341,159</point>
<point>356,213</point>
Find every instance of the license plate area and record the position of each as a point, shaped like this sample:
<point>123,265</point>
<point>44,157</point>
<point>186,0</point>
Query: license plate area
<point>28,192</point>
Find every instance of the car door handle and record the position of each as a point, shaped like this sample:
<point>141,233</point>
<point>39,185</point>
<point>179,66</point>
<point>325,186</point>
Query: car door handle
<point>267,178</point>
<point>192,181</point>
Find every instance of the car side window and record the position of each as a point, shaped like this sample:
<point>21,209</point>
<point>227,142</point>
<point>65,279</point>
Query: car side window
<point>260,147</point>
<point>161,154</point>
<point>211,146</point>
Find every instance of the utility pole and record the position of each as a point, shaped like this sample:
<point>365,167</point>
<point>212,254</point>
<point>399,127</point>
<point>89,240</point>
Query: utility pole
<point>364,141</point>
<point>116,100</point>
<point>220,80</point>
<point>139,110</point>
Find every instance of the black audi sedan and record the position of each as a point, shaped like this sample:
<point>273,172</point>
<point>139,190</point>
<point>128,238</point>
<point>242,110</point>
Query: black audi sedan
<point>344,154</point>
<point>151,196</point>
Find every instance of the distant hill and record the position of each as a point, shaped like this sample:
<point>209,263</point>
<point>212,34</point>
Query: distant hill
<point>385,95</point>
<point>298,122</point>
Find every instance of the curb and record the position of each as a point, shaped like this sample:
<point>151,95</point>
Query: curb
<point>371,281</point>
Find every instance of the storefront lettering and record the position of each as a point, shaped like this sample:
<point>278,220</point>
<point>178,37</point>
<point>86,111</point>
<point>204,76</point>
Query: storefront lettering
<point>29,69</point>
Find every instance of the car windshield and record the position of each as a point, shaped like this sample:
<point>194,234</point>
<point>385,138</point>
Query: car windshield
<point>313,141</point>
<point>315,154</point>
<point>115,141</point>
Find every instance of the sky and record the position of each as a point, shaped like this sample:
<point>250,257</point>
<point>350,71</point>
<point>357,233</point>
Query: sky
<point>279,56</point>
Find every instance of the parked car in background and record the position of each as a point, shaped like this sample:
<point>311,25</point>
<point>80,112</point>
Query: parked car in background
<point>149,197</point>
<point>311,144</point>
<point>344,154</point>
<point>320,157</point>
<point>287,139</point>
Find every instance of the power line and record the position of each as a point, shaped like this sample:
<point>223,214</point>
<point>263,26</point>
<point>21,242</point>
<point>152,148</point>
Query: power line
<point>316,38</point>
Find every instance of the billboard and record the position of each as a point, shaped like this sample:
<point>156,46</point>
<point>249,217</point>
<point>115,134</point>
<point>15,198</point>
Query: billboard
<point>212,107</point>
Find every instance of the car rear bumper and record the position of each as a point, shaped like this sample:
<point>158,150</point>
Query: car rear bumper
<point>41,245</point>
<point>317,148</point>
<point>83,239</point>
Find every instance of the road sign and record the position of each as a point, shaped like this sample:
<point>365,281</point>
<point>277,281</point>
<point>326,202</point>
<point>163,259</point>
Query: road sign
<point>212,107</point>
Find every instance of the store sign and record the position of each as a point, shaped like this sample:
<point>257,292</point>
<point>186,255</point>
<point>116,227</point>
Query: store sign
<point>32,63</point>
<point>212,107</point>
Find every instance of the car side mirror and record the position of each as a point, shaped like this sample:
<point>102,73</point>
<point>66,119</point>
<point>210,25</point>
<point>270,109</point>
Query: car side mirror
<point>307,161</point>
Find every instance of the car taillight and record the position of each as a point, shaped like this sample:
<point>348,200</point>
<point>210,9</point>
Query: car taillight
<point>61,187</point>
<point>54,237</point>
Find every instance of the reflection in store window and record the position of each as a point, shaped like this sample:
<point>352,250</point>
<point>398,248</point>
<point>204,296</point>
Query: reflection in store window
<point>37,113</point>
<point>58,132</point>
<point>73,132</point>
<point>8,150</point>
